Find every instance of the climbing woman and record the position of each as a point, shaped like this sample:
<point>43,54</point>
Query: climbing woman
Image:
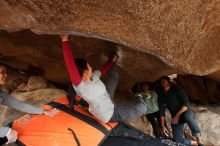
<point>99,96</point>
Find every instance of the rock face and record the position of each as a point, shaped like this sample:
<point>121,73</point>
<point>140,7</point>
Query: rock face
<point>183,34</point>
<point>153,38</point>
<point>42,54</point>
<point>200,89</point>
<point>36,82</point>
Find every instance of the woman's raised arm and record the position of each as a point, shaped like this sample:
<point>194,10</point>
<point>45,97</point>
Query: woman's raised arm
<point>70,62</point>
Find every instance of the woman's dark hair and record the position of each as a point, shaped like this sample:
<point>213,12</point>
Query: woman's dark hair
<point>146,83</point>
<point>81,65</point>
<point>136,88</point>
<point>165,78</point>
<point>35,71</point>
<point>2,66</point>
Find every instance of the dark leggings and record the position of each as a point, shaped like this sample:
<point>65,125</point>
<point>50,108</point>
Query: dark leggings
<point>123,112</point>
<point>3,140</point>
<point>153,119</point>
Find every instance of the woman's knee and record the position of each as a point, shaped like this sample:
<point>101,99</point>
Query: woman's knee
<point>114,73</point>
<point>189,115</point>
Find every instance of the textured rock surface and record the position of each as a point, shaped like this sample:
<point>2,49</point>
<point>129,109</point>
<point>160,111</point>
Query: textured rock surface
<point>41,96</point>
<point>200,89</point>
<point>155,37</point>
<point>183,34</point>
<point>24,49</point>
<point>36,82</point>
<point>209,122</point>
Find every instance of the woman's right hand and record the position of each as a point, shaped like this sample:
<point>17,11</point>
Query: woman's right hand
<point>114,58</point>
<point>11,136</point>
<point>166,131</point>
<point>64,37</point>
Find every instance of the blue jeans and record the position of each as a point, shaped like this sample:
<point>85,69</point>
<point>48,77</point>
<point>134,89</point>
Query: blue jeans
<point>178,130</point>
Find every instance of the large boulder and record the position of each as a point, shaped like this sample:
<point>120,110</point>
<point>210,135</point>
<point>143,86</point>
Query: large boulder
<point>183,34</point>
<point>153,38</point>
<point>36,82</point>
<point>31,53</point>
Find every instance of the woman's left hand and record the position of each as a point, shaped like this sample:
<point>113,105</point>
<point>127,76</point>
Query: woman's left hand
<point>51,112</point>
<point>175,120</point>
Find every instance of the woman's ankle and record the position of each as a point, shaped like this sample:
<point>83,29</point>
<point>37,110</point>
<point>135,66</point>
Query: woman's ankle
<point>199,140</point>
<point>194,143</point>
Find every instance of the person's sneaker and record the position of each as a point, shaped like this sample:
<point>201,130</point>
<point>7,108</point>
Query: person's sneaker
<point>200,144</point>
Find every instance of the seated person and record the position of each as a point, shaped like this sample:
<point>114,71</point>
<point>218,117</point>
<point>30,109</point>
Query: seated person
<point>177,102</point>
<point>150,97</point>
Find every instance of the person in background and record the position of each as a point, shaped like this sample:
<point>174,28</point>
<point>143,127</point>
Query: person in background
<point>99,96</point>
<point>177,102</point>
<point>152,114</point>
<point>8,135</point>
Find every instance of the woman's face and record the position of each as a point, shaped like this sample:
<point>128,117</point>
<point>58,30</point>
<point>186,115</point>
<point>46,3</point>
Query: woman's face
<point>3,75</point>
<point>145,87</point>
